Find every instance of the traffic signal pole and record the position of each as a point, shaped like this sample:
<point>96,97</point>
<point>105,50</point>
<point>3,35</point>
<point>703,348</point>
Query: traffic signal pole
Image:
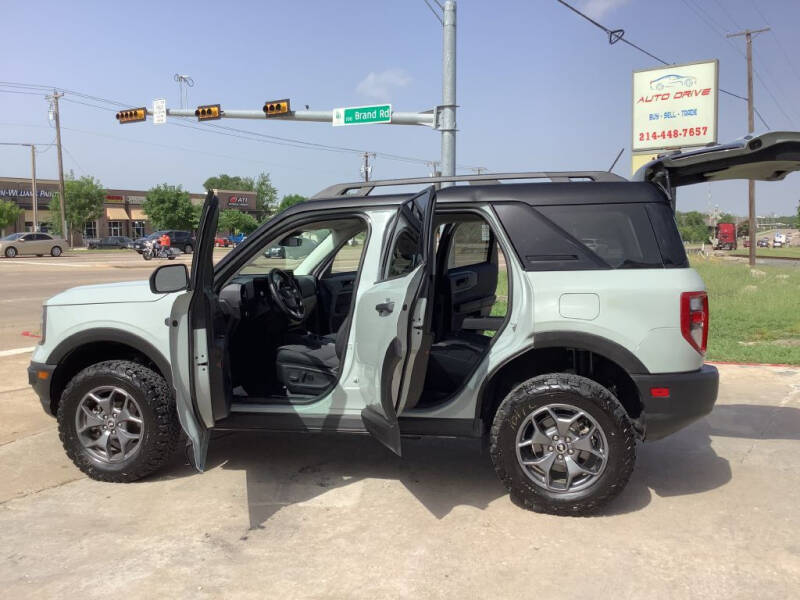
<point>317,116</point>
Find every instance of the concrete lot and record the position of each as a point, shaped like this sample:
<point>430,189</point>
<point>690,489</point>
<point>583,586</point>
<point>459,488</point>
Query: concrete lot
<point>711,511</point>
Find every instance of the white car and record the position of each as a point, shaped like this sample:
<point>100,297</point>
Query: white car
<point>593,348</point>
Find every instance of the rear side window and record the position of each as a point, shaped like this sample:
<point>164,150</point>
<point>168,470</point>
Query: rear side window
<point>669,240</point>
<point>586,236</point>
<point>620,234</point>
<point>470,246</point>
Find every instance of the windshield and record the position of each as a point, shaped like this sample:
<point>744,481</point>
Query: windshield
<point>286,257</point>
<point>12,237</point>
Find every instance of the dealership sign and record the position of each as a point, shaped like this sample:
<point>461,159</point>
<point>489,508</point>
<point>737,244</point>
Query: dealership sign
<point>675,106</point>
<point>238,201</point>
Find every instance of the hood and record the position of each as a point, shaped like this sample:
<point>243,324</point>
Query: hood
<point>107,293</point>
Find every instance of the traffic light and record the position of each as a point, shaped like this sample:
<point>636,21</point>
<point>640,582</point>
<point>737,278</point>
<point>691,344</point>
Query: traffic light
<point>276,108</point>
<point>208,112</point>
<point>132,115</point>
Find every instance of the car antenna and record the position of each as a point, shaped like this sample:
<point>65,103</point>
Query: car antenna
<point>613,164</point>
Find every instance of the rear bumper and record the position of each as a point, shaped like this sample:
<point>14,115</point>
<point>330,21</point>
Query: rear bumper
<point>41,384</point>
<point>691,396</point>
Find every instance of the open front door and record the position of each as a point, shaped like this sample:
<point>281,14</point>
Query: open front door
<point>196,370</point>
<point>392,320</point>
<point>767,157</point>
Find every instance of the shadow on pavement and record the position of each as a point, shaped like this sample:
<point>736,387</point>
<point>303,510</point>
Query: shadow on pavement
<point>756,422</point>
<point>283,469</point>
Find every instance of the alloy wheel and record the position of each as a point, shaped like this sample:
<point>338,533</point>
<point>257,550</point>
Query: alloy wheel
<point>561,448</point>
<point>109,424</point>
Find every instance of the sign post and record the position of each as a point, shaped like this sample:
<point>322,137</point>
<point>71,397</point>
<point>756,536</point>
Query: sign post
<point>160,111</point>
<point>362,115</point>
<point>675,106</point>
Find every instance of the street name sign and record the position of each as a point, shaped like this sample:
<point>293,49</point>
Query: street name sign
<point>675,106</point>
<point>362,115</point>
<point>160,111</point>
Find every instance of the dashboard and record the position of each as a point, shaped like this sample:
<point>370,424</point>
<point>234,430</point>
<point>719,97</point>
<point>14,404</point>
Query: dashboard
<point>247,296</point>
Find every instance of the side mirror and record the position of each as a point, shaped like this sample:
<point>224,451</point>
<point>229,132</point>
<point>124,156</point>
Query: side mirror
<point>291,241</point>
<point>169,278</point>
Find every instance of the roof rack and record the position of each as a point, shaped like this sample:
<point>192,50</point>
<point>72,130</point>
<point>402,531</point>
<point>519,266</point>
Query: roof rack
<point>365,188</point>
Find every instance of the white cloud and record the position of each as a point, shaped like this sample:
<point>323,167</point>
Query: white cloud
<point>380,85</point>
<point>597,9</point>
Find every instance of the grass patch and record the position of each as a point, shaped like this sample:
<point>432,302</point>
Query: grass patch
<point>790,252</point>
<point>754,318</point>
<point>500,307</point>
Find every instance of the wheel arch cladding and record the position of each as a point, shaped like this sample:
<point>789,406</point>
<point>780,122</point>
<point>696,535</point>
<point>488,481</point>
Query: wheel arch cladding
<point>85,348</point>
<point>590,356</point>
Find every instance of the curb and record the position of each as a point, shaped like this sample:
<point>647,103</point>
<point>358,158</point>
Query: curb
<point>751,364</point>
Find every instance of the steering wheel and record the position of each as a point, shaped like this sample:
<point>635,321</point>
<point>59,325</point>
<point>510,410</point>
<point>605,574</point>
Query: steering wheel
<point>286,294</point>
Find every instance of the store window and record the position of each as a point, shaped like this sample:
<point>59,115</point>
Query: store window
<point>90,230</point>
<point>137,229</point>
<point>115,228</point>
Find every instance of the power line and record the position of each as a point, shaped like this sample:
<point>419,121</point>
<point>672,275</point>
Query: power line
<point>725,10</point>
<point>617,35</point>
<point>278,140</point>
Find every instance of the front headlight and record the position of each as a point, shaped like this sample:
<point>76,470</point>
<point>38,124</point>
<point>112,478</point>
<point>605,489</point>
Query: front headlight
<point>43,328</point>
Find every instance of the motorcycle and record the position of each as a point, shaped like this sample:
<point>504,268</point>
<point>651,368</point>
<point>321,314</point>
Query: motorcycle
<point>152,250</point>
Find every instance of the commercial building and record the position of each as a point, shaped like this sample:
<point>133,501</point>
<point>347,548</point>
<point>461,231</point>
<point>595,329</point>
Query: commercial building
<point>122,209</point>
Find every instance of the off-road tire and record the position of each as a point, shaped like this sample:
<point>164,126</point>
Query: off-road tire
<point>587,396</point>
<point>55,251</point>
<point>161,429</point>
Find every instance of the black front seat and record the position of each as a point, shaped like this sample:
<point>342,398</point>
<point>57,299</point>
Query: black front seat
<point>310,367</point>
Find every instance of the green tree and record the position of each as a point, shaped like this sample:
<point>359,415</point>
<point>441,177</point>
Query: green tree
<point>290,200</point>
<point>230,182</point>
<point>692,226</point>
<point>84,202</point>
<point>744,229</point>
<point>169,207</point>
<point>9,212</point>
<point>266,195</point>
<point>726,218</point>
<point>236,221</point>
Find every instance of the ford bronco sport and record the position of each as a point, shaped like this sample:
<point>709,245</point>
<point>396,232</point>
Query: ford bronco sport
<point>559,320</point>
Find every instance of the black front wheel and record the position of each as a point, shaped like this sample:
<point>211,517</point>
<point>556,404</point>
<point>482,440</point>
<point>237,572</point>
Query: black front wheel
<point>562,444</point>
<point>117,421</point>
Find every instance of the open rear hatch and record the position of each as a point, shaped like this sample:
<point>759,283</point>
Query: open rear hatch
<point>767,157</point>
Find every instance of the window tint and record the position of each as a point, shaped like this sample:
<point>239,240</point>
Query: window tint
<point>669,239</point>
<point>405,254</point>
<point>620,234</point>
<point>470,246</point>
<point>348,257</point>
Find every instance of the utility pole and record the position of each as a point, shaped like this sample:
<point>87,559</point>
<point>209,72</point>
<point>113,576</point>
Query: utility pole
<point>751,184</point>
<point>366,170</point>
<point>33,189</point>
<point>448,108</point>
<point>61,195</point>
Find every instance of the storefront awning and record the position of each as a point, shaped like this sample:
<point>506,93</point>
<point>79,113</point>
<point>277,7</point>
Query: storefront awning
<point>116,214</point>
<point>138,214</point>
<point>42,215</point>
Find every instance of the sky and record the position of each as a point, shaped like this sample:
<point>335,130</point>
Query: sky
<point>539,88</point>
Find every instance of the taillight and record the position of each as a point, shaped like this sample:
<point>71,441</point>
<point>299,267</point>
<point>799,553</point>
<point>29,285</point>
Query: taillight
<point>694,319</point>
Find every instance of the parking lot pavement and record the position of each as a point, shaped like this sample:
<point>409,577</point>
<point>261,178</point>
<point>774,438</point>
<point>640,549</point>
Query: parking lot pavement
<point>710,512</point>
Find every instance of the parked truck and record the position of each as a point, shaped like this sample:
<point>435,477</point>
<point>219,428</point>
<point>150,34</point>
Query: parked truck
<point>725,237</point>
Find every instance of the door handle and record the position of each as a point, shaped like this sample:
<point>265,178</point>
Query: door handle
<point>384,308</point>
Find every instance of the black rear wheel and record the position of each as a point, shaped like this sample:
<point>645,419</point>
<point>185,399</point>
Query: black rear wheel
<point>562,444</point>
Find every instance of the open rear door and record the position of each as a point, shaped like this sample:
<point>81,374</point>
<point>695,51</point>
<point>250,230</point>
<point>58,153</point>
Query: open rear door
<point>196,371</point>
<point>392,320</point>
<point>767,157</point>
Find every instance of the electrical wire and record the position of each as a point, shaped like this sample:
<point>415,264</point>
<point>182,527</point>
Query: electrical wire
<point>617,35</point>
<point>278,140</point>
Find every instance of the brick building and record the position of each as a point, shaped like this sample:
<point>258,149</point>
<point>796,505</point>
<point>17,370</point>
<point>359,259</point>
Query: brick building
<point>122,209</point>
